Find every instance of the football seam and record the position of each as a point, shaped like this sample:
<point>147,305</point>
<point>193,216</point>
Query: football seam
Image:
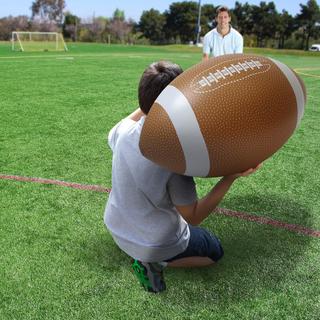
<point>225,84</point>
<point>233,81</point>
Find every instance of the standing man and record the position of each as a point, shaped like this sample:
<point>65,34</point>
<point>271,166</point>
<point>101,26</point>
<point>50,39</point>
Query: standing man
<point>223,39</point>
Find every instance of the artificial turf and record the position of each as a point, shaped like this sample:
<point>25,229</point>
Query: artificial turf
<point>58,261</point>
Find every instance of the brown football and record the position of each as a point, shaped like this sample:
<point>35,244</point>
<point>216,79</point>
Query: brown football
<point>223,116</point>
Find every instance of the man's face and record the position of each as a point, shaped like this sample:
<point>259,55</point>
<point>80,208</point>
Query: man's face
<point>223,19</point>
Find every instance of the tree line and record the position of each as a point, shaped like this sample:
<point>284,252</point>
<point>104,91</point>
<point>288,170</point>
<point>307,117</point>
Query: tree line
<point>261,25</point>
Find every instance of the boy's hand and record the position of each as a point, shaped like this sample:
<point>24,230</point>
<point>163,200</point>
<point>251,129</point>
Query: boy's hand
<point>246,173</point>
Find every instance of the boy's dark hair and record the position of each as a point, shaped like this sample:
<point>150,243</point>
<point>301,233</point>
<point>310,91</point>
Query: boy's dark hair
<point>222,9</point>
<point>153,80</point>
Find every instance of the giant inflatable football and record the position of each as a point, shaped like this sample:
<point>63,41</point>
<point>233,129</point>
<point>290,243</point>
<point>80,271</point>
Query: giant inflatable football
<point>223,116</point>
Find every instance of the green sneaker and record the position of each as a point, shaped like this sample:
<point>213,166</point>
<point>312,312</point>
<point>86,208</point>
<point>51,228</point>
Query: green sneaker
<point>150,275</point>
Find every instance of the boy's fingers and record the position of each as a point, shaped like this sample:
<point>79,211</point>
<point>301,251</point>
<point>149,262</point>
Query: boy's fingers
<point>252,170</point>
<point>259,166</point>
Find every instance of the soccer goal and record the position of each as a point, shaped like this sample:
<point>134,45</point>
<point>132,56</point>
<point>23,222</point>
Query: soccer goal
<point>38,41</point>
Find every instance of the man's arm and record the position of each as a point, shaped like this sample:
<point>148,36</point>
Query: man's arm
<point>205,56</point>
<point>239,45</point>
<point>198,211</point>
<point>206,48</point>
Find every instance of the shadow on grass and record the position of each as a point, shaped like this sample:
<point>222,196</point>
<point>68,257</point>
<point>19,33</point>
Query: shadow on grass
<point>271,206</point>
<point>258,259</point>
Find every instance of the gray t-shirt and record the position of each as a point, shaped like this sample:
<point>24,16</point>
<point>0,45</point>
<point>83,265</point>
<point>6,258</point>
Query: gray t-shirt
<point>140,212</point>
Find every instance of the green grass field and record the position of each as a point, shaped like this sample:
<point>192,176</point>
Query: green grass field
<point>57,259</point>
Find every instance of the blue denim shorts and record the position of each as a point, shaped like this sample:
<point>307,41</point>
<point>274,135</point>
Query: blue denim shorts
<point>201,244</point>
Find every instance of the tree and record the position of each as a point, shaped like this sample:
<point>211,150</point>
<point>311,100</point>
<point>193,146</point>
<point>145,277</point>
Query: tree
<point>244,17</point>
<point>309,19</point>
<point>70,27</point>
<point>94,30</point>
<point>48,10</point>
<point>119,15</point>
<point>208,12</point>
<point>118,27</point>
<point>285,28</point>
<point>182,21</point>
<point>264,19</point>
<point>151,25</point>
<point>9,24</point>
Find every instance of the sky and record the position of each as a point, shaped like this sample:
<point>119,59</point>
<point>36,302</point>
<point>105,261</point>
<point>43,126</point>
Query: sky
<point>132,8</point>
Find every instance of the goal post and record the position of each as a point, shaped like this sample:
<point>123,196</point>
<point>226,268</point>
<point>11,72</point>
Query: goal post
<point>38,41</point>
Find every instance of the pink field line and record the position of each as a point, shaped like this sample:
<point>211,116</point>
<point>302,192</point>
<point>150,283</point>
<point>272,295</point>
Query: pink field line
<point>222,211</point>
<point>56,182</point>
<point>268,221</point>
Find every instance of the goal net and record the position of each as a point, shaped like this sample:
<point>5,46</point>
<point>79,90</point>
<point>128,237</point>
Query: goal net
<point>38,41</point>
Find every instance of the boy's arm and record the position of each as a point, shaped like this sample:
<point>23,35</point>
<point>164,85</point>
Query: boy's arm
<point>198,211</point>
<point>136,115</point>
<point>116,130</point>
